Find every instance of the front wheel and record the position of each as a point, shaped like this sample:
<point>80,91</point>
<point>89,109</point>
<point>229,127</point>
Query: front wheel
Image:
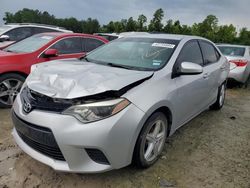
<point>220,98</point>
<point>151,140</point>
<point>10,85</point>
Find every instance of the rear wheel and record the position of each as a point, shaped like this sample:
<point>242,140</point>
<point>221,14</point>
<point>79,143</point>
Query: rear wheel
<point>151,140</point>
<point>10,85</point>
<point>220,98</point>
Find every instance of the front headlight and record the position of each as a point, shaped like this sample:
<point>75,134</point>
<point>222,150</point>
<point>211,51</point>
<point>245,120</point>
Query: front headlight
<point>96,111</point>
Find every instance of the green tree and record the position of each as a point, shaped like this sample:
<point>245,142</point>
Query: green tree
<point>131,25</point>
<point>208,28</point>
<point>110,28</point>
<point>226,34</point>
<point>141,21</point>
<point>90,26</point>
<point>244,37</point>
<point>71,23</point>
<point>156,22</point>
<point>169,27</point>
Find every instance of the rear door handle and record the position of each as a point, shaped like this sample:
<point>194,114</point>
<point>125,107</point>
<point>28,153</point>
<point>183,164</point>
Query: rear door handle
<point>223,67</point>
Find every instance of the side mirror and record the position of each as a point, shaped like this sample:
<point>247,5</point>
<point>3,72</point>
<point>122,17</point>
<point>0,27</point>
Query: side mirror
<point>50,53</point>
<point>188,68</point>
<point>4,38</point>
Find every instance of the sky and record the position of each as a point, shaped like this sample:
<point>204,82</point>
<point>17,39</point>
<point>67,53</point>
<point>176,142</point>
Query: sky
<point>187,11</point>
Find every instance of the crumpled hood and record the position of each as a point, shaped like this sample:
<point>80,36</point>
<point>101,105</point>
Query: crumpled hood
<point>70,79</point>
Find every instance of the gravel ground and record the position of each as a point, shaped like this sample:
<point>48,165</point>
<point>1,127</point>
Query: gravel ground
<point>213,150</point>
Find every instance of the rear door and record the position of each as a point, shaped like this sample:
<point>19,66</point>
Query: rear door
<point>213,67</point>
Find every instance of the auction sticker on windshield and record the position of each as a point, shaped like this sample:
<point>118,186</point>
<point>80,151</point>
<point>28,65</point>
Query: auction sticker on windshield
<point>163,45</point>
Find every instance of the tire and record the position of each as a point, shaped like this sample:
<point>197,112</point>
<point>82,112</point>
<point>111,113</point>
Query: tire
<point>247,82</point>
<point>10,85</point>
<point>151,140</point>
<point>220,98</point>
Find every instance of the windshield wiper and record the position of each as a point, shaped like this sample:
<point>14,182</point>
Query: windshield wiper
<point>86,59</point>
<point>120,66</point>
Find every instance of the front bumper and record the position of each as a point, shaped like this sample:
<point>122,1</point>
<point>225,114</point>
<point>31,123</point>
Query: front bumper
<point>115,137</point>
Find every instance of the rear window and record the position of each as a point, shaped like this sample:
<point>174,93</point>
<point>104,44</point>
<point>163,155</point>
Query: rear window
<point>232,51</point>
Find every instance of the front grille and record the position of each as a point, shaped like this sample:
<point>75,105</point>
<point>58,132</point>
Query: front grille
<point>43,102</point>
<point>97,156</point>
<point>39,138</point>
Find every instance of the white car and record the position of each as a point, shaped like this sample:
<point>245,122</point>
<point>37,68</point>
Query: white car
<point>239,58</point>
<point>11,33</point>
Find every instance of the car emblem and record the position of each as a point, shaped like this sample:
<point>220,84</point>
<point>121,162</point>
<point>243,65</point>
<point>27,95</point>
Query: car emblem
<point>27,107</point>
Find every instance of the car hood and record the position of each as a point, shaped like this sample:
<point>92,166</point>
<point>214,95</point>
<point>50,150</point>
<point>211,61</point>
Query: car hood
<point>4,54</point>
<point>70,79</point>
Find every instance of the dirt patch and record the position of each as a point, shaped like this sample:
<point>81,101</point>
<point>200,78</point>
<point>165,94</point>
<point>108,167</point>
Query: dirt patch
<point>213,150</point>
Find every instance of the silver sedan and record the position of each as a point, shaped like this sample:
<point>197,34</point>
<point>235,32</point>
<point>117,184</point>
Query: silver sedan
<point>239,58</point>
<point>119,103</point>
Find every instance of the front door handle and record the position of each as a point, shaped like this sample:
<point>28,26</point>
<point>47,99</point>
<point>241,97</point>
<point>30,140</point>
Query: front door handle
<point>206,75</point>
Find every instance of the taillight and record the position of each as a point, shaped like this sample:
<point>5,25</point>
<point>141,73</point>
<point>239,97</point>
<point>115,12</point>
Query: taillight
<point>239,63</point>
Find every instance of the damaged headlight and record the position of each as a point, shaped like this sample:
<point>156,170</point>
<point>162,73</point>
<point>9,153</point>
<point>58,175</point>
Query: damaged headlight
<point>96,111</point>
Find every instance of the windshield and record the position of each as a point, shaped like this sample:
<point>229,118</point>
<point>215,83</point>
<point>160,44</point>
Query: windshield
<point>135,53</point>
<point>232,51</point>
<point>4,28</point>
<point>30,44</point>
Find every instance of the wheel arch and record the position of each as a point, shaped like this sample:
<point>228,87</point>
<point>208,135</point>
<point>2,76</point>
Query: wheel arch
<point>163,109</point>
<point>167,112</point>
<point>15,72</point>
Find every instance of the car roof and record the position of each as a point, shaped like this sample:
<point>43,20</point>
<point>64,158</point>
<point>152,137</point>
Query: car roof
<point>61,35</point>
<point>165,36</point>
<point>15,25</point>
<point>233,45</point>
<point>107,34</point>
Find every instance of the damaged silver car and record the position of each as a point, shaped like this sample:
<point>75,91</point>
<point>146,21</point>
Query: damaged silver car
<point>118,104</point>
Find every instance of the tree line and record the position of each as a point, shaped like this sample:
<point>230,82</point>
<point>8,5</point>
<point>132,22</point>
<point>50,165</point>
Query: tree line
<point>208,28</point>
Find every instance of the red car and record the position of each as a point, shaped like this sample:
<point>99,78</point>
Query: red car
<point>16,60</point>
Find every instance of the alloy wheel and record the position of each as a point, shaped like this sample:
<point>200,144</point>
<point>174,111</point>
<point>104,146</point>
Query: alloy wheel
<point>154,142</point>
<point>9,89</point>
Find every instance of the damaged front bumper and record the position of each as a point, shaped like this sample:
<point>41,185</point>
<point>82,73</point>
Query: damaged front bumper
<point>80,144</point>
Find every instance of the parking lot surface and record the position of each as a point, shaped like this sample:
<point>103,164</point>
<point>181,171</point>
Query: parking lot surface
<point>213,150</point>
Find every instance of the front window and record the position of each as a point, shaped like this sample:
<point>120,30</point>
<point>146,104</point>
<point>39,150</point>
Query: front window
<point>69,45</point>
<point>232,51</point>
<point>135,53</point>
<point>30,44</point>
